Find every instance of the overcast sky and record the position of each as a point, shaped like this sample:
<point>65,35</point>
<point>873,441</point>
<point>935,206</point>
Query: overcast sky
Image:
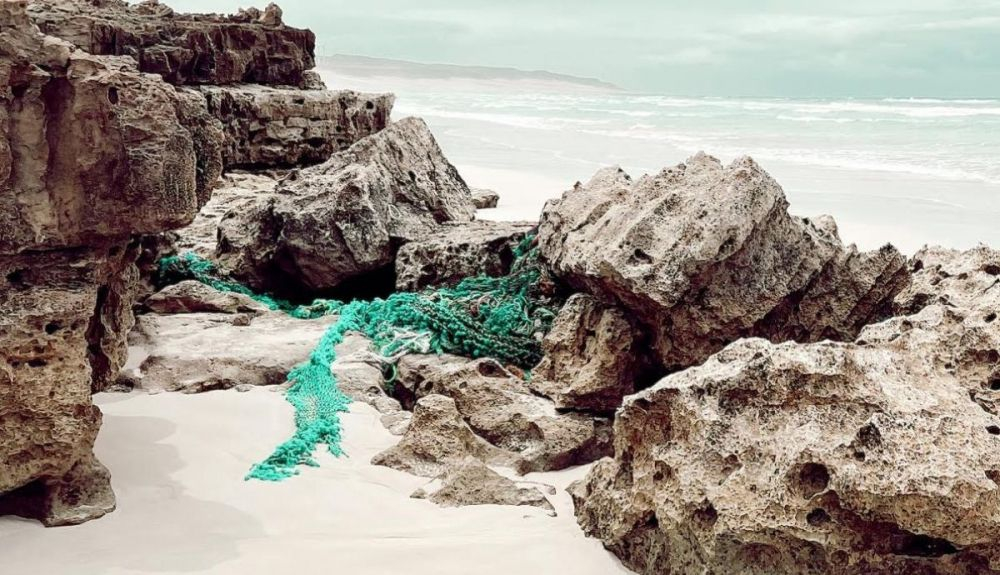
<point>945,48</point>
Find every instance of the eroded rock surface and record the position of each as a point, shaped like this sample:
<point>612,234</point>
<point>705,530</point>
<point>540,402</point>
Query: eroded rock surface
<point>268,127</point>
<point>704,254</point>
<point>91,153</point>
<point>500,408</point>
<point>473,483</point>
<point>821,458</point>
<point>193,297</point>
<point>344,219</point>
<point>966,279</point>
<point>459,251</point>
<point>251,47</point>
<point>196,352</point>
<point>485,199</point>
<point>594,356</point>
<point>436,440</point>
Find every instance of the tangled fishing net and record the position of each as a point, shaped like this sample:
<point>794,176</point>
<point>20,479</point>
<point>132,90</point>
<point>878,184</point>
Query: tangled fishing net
<point>497,317</point>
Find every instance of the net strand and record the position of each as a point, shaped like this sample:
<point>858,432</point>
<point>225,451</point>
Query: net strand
<point>498,317</point>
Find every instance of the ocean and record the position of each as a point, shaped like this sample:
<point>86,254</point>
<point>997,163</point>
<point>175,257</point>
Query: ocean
<point>906,171</point>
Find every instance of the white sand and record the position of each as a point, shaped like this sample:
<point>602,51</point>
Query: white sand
<point>178,463</point>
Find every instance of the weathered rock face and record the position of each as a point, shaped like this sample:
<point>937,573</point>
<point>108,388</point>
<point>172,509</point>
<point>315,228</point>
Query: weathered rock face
<point>485,199</point>
<point>436,440</point>
<point>197,352</point>
<point>459,251</point>
<point>593,357</point>
<point>91,146</point>
<point>195,297</point>
<point>280,127</point>
<point>500,408</point>
<point>91,153</point>
<point>876,457</point>
<point>346,218</point>
<point>969,279</point>
<point>251,46</point>
<point>473,483</point>
<point>703,255</point>
<point>235,193</point>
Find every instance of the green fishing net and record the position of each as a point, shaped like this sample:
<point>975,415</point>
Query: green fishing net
<point>497,317</point>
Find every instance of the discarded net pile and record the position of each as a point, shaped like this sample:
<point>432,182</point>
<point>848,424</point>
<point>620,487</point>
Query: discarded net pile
<point>482,316</point>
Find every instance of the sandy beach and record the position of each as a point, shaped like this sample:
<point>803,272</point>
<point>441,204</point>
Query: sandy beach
<point>177,464</point>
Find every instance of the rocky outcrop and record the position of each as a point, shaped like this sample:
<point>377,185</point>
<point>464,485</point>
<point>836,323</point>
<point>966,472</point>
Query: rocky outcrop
<point>459,251</point>
<point>436,440</point>
<point>249,47</point>
<point>593,357</point>
<point>969,279</point>
<point>197,352</point>
<point>195,297</point>
<point>485,199</point>
<point>500,408</point>
<point>703,255</point>
<point>91,153</point>
<point>269,127</point>
<point>345,219</point>
<point>473,483</point>
<point>879,456</point>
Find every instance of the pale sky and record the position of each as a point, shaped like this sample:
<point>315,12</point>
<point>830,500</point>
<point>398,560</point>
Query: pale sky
<point>944,48</point>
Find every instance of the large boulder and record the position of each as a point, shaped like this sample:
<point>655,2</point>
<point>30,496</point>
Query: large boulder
<point>500,407</point>
<point>594,356</point>
<point>269,127</point>
<point>459,251</point>
<point>345,219</point>
<point>252,46</point>
<point>91,153</point>
<point>879,457</point>
<point>703,255</point>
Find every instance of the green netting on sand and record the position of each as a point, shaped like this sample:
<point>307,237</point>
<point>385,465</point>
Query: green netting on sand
<point>480,317</point>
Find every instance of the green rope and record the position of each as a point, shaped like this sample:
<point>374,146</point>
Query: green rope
<point>480,317</point>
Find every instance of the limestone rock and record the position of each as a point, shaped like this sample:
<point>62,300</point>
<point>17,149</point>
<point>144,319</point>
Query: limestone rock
<point>92,153</point>
<point>313,81</point>
<point>107,333</point>
<point>969,279</point>
<point>184,48</point>
<point>485,199</point>
<point>471,482</point>
<point>236,192</point>
<point>344,219</point>
<point>82,494</point>
<point>193,297</point>
<point>704,255</point>
<point>359,376</point>
<point>500,408</point>
<point>199,352</point>
<point>436,439</point>
<point>805,458</point>
<point>594,357</point>
<point>117,131</point>
<point>459,251</point>
<point>279,127</point>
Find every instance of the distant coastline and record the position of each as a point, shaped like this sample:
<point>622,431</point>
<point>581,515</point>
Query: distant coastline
<point>366,66</point>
